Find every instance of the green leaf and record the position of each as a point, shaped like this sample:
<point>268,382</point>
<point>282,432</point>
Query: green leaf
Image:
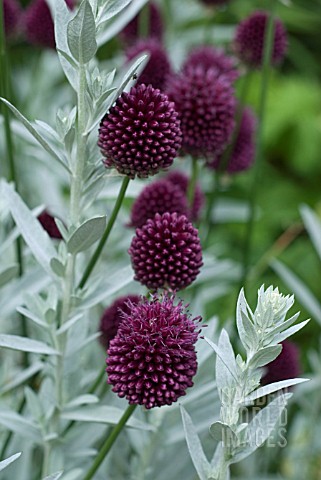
<point>313,225</point>
<point>33,317</point>
<point>22,377</point>
<point>194,445</point>
<point>34,235</point>
<point>82,400</point>
<point>290,331</point>
<point>21,425</point>
<point>57,267</point>
<point>8,274</point>
<point>81,34</point>
<point>22,344</point>
<point>54,476</point>
<point>265,356</point>
<point>5,463</point>
<point>87,234</point>
<point>221,431</point>
<point>31,129</point>
<point>272,388</point>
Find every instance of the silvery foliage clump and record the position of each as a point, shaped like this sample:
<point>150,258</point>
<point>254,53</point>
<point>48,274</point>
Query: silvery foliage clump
<point>239,433</point>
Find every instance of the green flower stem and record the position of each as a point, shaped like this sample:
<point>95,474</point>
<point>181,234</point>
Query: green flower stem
<point>268,49</point>
<point>192,182</point>
<point>109,442</point>
<point>106,234</point>
<point>143,21</point>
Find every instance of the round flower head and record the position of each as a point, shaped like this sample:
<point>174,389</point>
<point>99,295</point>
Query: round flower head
<point>166,252</point>
<point>243,153</point>
<point>250,36</point>
<point>38,23</point>
<point>211,57</point>
<point>48,223</point>
<point>206,106</point>
<point>285,366</point>
<point>182,180</point>
<point>141,133</point>
<point>159,197</point>
<point>113,315</point>
<point>11,14</point>
<point>158,66</point>
<point>152,360</point>
<point>155,23</point>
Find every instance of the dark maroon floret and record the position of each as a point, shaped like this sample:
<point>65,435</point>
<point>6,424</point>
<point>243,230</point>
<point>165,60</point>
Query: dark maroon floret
<point>141,134</point>
<point>285,366</point>
<point>250,37</point>
<point>38,23</point>
<point>152,359</point>
<point>206,105</point>
<point>242,156</point>
<point>158,67</point>
<point>11,15</point>
<point>159,197</point>
<point>48,223</point>
<point>181,180</point>
<point>155,23</point>
<point>166,252</point>
<point>113,316</point>
<point>212,57</point>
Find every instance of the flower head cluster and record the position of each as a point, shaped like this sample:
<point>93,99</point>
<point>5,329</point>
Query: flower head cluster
<point>285,366</point>
<point>166,252</point>
<point>159,197</point>
<point>113,315</point>
<point>11,14</point>
<point>181,180</point>
<point>48,223</point>
<point>152,359</point>
<point>212,57</point>
<point>38,23</point>
<point>250,37</point>
<point>141,134</point>
<point>206,105</point>
<point>155,22</point>
<point>243,151</point>
<point>158,67</point>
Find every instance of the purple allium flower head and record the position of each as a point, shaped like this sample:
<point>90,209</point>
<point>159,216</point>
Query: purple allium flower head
<point>285,366</point>
<point>250,36</point>
<point>242,156</point>
<point>158,67</point>
<point>48,223</point>
<point>206,105</point>
<point>166,252</point>
<point>159,197</point>
<point>182,180</point>
<point>155,22</point>
<point>38,23</point>
<point>11,15</point>
<point>113,316</point>
<point>212,57</point>
<point>152,359</point>
<point>141,134</point>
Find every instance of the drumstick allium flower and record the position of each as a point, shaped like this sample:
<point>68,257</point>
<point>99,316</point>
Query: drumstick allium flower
<point>207,57</point>
<point>11,14</point>
<point>152,359</point>
<point>285,366</point>
<point>250,36</point>
<point>141,134</point>
<point>182,180</point>
<point>166,252</point>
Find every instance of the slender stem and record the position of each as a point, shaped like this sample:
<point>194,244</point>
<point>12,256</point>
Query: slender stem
<point>143,21</point>
<point>192,182</point>
<point>268,49</point>
<point>106,234</point>
<point>98,380</point>
<point>109,442</point>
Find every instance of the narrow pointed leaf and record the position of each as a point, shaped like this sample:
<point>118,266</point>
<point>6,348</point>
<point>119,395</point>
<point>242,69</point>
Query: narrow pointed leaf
<point>5,463</point>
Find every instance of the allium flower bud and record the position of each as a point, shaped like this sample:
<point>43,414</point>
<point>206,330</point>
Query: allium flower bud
<point>206,105</point>
<point>250,37</point>
<point>48,223</point>
<point>159,197</point>
<point>152,360</point>
<point>38,23</point>
<point>113,316</point>
<point>242,156</point>
<point>211,57</point>
<point>141,133</point>
<point>155,23</point>
<point>166,252</point>
<point>285,366</point>
<point>11,14</point>
<point>158,67</point>
<point>181,180</point>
